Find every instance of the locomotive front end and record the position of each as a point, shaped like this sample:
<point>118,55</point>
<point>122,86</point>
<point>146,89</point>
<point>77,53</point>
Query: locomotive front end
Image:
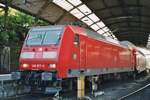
<point>40,54</point>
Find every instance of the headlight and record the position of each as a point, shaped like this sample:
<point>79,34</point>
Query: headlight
<point>52,65</point>
<point>27,55</point>
<point>25,65</point>
<point>51,54</point>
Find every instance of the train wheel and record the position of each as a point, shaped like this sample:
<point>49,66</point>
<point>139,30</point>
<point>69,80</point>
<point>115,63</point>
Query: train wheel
<point>33,89</point>
<point>69,85</point>
<point>134,75</point>
<point>117,76</point>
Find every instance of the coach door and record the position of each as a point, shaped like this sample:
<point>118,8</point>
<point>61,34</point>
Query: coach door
<point>82,52</point>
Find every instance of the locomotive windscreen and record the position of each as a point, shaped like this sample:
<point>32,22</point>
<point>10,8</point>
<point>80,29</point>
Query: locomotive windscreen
<point>43,37</point>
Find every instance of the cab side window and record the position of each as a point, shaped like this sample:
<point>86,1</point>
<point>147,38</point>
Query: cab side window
<point>76,40</point>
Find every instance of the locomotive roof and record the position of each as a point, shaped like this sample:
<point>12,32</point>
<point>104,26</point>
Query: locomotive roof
<point>50,27</point>
<point>95,35</point>
<point>92,34</point>
<point>79,30</point>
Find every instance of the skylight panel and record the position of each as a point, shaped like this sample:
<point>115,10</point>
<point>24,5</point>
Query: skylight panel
<point>75,2</point>
<point>95,27</point>
<point>109,32</point>
<point>100,31</point>
<point>64,4</point>
<point>83,8</point>
<point>106,34</point>
<point>101,24</point>
<point>149,37</point>
<point>113,36</point>
<point>148,42</point>
<point>93,17</point>
<point>106,29</point>
<point>77,13</point>
<point>87,21</point>
<point>2,5</point>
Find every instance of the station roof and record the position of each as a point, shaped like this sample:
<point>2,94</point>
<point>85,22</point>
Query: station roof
<point>126,19</point>
<point>43,9</point>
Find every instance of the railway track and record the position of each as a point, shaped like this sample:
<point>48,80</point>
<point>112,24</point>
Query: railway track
<point>29,97</point>
<point>134,87</point>
<point>38,96</point>
<point>135,92</point>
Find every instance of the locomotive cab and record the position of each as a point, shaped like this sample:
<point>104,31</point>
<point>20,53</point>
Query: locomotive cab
<point>40,49</point>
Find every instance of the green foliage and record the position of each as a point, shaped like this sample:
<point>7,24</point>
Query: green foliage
<point>15,25</point>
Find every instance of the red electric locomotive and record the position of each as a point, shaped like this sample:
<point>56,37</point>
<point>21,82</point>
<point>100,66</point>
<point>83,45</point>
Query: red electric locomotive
<point>52,53</point>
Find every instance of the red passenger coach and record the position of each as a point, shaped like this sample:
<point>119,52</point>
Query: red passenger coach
<point>58,52</point>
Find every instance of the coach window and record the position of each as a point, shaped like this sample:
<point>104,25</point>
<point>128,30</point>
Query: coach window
<point>76,40</point>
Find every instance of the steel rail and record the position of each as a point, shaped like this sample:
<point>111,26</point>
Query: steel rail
<point>134,92</point>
